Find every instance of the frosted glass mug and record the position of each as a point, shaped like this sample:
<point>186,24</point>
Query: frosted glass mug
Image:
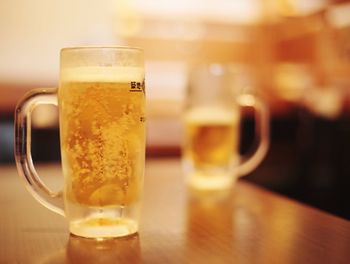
<point>215,97</point>
<point>101,102</point>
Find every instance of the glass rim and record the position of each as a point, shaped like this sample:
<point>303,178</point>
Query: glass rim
<point>101,47</point>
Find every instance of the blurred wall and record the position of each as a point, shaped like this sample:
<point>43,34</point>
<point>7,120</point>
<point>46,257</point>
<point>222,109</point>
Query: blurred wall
<point>33,32</point>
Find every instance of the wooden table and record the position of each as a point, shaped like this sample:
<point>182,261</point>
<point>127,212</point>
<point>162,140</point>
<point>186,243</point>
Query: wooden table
<point>253,226</point>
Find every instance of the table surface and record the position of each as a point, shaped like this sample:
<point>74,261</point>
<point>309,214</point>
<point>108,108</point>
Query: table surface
<point>252,226</point>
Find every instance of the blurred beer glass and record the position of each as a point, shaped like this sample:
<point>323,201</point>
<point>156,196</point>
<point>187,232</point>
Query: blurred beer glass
<point>101,101</point>
<point>212,116</point>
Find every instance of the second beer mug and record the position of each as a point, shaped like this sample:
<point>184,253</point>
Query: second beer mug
<point>212,128</point>
<point>101,101</point>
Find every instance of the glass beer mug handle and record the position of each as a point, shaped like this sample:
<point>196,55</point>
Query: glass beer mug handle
<point>250,162</point>
<point>42,193</point>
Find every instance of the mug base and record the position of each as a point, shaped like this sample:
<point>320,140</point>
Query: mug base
<point>209,180</point>
<point>101,228</point>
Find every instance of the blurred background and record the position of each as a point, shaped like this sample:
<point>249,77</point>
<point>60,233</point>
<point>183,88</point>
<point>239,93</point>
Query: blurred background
<point>297,53</point>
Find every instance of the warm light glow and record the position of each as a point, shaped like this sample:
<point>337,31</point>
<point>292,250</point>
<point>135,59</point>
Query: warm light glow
<point>227,11</point>
<point>339,15</point>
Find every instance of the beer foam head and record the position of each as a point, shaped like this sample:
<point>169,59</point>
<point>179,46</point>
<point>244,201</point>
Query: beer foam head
<point>102,74</point>
<point>212,115</point>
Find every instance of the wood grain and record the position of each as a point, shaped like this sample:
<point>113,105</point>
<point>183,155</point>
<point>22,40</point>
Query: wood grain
<point>252,226</point>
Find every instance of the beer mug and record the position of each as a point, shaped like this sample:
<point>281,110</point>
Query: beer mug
<point>210,150</point>
<point>101,103</point>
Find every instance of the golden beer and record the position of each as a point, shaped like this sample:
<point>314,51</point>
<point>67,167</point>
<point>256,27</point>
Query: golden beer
<point>211,144</point>
<point>102,125</point>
